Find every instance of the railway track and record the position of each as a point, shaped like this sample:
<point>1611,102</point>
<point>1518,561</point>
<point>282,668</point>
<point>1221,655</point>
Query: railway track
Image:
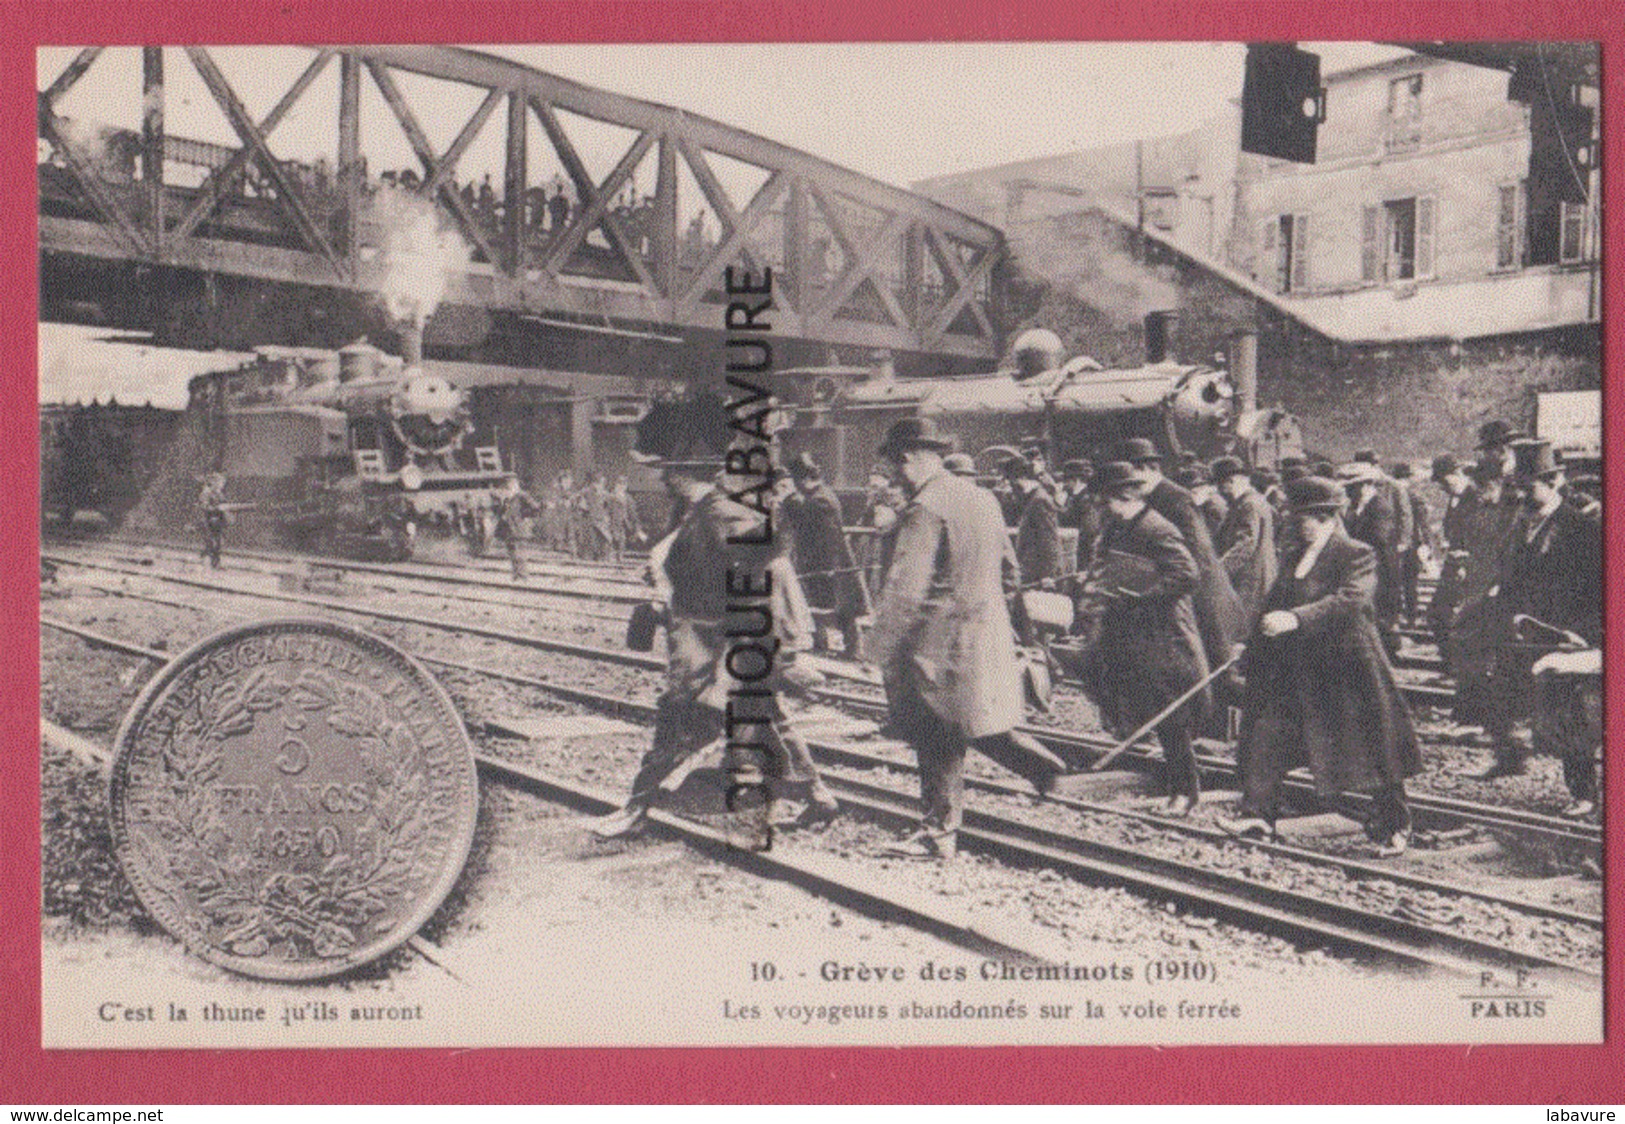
<point>1431,812</point>
<point>1302,918</point>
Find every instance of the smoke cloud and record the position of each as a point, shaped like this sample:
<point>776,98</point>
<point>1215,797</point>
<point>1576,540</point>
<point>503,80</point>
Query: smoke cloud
<point>418,254</point>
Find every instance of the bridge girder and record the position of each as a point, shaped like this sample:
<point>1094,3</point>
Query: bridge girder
<point>907,273</point>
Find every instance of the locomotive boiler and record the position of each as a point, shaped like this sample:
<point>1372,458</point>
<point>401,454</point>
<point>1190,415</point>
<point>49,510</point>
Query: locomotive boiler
<point>1071,408</point>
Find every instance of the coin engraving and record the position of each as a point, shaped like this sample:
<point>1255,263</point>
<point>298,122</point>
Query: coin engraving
<point>293,798</point>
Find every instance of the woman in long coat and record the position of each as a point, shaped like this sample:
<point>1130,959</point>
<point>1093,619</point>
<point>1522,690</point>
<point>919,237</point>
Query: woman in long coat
<point>1150,650</point>
<point>1319,688</point>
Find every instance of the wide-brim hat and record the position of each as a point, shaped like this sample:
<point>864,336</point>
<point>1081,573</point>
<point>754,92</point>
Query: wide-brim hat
<point>1534,459</point>
<point>1401,470</point>
<point>1116,476</point>
<point>907,434</point>
<point>1226,467</point>
<point>690,431</point>
<point>1358,472</point>
<point>803,467</point>
<point>1366,456</point>
<point>1445,465</point>
<point>1017,468</point>
<point>1315,493</point>
<point>1494,434</point>
<point>1138,450</point>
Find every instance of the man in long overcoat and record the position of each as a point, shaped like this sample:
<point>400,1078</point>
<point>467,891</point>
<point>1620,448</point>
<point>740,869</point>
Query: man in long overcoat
<point>1476,626</point>
<point>1320,691</point>
<point>1150,651</point>
<point>1080,509</point>
<point>1219,614</point>
<point>1376,519</point>
<point>1246,539</point>
<point>942,636</point>
<point>829,572</point>
<point>1038,528</point>
<point>1460,499</point>
<point>1549,583</point>
<point>693,564</point>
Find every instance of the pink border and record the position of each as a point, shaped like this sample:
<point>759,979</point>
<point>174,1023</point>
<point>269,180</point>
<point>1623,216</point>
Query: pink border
<point>1552,1075</point>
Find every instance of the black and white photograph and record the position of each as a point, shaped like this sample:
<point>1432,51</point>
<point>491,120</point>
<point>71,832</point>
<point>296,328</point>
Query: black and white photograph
<point>821,544</point>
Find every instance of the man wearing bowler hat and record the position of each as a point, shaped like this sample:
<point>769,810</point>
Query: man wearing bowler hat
<point>1495,439</point>
<point>1460,498</point>
<point>1080,509</point>
<point>1319,689</point>
<point>1547,596</point>
<point>824,560</point>
<point>1150,651</point>
<point>1219,614</point>
<point>1246,539</point>
<point>942,637</point>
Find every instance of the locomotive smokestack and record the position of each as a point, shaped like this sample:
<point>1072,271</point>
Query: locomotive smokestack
<point>1159,335</point>
<point>1244,369</point>
<point>412,342</point>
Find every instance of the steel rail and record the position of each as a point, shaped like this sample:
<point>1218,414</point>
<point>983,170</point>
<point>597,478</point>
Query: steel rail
<point>1431,811</point>
<point>1346,917</point>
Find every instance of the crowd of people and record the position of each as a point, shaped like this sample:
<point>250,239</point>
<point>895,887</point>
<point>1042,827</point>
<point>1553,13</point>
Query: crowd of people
<point>1207,599</point>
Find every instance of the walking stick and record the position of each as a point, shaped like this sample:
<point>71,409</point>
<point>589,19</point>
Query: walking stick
<point>1123,746</point>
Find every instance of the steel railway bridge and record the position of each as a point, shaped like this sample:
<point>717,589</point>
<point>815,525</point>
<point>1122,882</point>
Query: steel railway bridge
<point>638,251</point>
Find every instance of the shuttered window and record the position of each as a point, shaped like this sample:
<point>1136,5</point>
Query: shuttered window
<point>1425,207</point>
<point>1371,244</point>
<point>1508,254</point>
<point>1298,279</point>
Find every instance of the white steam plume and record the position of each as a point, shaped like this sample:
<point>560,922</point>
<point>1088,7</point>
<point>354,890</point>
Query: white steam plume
<point>418,254</point>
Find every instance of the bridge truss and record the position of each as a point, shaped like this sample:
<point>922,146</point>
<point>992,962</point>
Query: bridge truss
<point>857,262</point>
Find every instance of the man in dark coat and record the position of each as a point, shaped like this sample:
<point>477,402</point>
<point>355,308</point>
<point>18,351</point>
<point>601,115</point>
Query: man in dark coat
<point>829,573</point>
<point>1219,614</point>
<point>712,537</point>
<point>1376,519</point>
<point>1548,590</point>
<point>1246,539</point>
<point>1080,508</point>
<point>514,505</point>
<point>1460,498</point>
<point>1319,690</point>
<point>942,637</point>
<point>1476,626</point>
<point>1150,651</point>
<point>212,502</point>
<point>1038,528</point>
<point>1198,481</point>
<point>1422,543</point>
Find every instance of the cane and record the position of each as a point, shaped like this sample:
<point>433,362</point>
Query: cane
<point>1569,638</point>
<point>1123,746</point>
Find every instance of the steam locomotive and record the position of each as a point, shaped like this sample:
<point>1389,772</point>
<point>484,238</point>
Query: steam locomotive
<point>1071,408</point>
<point>344,454</point>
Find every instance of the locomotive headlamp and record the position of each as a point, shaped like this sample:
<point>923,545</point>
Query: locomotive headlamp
<point>411,477</point>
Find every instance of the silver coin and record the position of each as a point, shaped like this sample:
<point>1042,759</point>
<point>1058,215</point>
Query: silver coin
<point>292,798</point>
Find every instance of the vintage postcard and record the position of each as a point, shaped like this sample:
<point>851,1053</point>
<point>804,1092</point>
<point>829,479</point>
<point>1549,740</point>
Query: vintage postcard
<point>683,545</point>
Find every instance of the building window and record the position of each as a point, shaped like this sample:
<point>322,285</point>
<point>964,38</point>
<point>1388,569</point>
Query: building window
<point>1405,97</point>
<point>1509,227</point>
<point>1284,263</point>
<point>1572,240</point>
<point>1404,126</point>
<point>1397,240</point>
